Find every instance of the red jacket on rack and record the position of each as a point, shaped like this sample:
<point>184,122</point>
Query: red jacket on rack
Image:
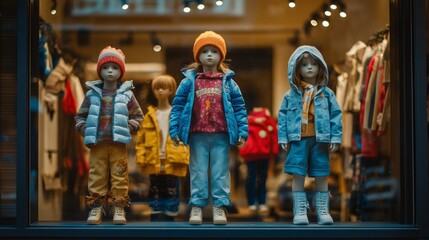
<point>262,142</point>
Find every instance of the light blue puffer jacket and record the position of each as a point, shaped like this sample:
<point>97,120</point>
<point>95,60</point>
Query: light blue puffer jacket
<point>233,103</point>
<point>123,95</point>
<point>327,112</point>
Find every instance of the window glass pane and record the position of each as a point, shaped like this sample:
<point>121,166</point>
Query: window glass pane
<point>8,114</point>
<point>157,37</point>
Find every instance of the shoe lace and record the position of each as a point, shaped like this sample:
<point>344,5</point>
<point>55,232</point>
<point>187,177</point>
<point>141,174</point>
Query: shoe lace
<point>119,211</point>
<point>95,211</point>
<point>196,211</point>
<point>218,211</point>
<point>322,204</point>
<point>303,206</point>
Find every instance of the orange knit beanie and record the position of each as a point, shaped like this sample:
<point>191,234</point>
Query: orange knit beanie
<point>209,38</point>
<point>109,54</point>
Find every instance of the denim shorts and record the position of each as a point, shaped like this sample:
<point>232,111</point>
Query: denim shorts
<point>308,156</point>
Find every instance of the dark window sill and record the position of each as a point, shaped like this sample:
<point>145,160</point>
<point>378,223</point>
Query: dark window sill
<point>368,230</point>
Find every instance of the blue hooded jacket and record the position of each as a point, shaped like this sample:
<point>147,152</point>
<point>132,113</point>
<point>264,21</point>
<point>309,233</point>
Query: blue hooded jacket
<point>327,112</point>
<point>233,103</point>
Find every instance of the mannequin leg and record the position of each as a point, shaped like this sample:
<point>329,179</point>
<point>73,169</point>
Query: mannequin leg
<point>321,184</point>
<point>322,201</point>
<point>298,183</point>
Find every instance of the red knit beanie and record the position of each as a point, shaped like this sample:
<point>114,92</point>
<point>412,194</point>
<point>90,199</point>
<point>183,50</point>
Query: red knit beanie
<point>209,38</point>
<point>109,54</point>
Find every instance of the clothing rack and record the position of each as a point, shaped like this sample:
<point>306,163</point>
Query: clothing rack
<point>379,36</point>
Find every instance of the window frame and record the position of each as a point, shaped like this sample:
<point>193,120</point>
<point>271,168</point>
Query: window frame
<point>406,22</point>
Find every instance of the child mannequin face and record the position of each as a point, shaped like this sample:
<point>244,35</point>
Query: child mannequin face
<point>209,57</point>
<point>110,72</point>
<point>309,69</point>
<point>162,93</point>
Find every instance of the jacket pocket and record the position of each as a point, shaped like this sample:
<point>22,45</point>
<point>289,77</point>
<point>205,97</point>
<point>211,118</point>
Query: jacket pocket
<point>179,154</point>
<point>293,115</point>
<point>151,146</point>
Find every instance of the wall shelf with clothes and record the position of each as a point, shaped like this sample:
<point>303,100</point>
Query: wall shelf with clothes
<point>363,92</point>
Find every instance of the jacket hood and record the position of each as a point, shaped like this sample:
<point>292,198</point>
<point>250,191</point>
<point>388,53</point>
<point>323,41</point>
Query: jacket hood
<point>98,85</point>
<point>191,73</point>
<point>294,57</point>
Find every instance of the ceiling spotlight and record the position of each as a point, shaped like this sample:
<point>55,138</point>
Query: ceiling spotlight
<point>292,3</point>
<point>314,18</point>
<point>186,7</point>
<point>333,5</point>
<point>157,48</point>
<point>325,23</point>
<point>219,2</point>
<point>326,10</point>
<point>54,7</point>
<point>156,43</point>
<point>200,5</point>
<point>125,5</point>
<point>342,7</point>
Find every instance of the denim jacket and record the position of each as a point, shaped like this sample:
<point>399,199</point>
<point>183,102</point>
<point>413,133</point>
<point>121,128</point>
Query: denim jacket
<point>327,112</point>
<point>233,103</point>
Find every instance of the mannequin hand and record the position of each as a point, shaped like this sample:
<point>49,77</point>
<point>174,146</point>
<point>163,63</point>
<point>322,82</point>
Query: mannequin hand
<point>240,141</point>
<point>285,146</point>
<point>176,141</point>
<point>333,147</point>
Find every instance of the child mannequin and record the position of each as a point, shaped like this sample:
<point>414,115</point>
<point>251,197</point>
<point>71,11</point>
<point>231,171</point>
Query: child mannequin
<point>156,154</point>
<point>260,147</point>
<point>106,118</point>
<point>309,127</point>
<point>209,114</point>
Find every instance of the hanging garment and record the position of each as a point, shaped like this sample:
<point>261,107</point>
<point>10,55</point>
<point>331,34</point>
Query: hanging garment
<point>262,141</point>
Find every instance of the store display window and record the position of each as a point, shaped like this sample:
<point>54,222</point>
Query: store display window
<point>83,43</point>
<point>157,37</point>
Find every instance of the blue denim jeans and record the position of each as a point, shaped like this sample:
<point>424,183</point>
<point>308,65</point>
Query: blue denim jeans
<point>164,193</point>
<point>209,151</point>
<point>256,180</point>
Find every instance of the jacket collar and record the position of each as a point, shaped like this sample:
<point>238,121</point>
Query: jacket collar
<point>191,74</point>
<point>97,86</point>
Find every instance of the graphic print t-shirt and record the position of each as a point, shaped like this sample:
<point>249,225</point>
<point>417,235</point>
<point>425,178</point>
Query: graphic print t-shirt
<point>208,115</point>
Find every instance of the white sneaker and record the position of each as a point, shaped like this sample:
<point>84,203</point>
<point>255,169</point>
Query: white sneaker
<point>219,216</point>
<point>196,215</point>
<point>263,209</point>
<point>119,216</point>
<point>95,215</point>
<point>171,214</point>
<point>253,209</point>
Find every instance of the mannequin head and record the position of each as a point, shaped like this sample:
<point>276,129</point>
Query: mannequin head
<point>309,69</point>
<point>164,87</point>
<point>111,55</point>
